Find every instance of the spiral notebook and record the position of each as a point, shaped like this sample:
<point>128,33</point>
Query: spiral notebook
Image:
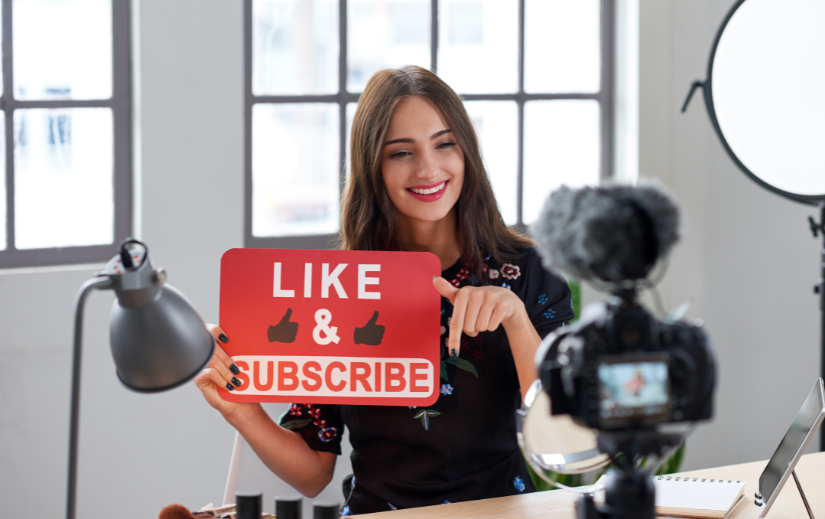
<point>694,497</point>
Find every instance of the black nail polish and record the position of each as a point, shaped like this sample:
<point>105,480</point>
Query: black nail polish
<point>229,387</point>
<point>453,354</point>
<point>224,339</point>
<point>234,369</point>
<point>236,381</point>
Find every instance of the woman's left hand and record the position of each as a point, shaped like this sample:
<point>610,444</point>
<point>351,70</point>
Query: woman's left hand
<point>477,309</point>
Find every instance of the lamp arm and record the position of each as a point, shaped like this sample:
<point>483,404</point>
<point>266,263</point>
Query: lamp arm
<point>97,283</point>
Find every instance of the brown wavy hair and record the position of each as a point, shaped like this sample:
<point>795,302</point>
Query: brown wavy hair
<point>368,216</point>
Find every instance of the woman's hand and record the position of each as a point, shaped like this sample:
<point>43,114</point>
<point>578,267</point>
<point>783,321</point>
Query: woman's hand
<point>478,309</point>
<point>220,372</point>
<point>481,309</point>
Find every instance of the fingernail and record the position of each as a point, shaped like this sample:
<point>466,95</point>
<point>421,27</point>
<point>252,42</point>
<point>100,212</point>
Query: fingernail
<point>453,354</point>
<point>434,277</point>
<point>224,339</point>
<point>229,387</point>
<point>234,369</point>
<point>236,381</point>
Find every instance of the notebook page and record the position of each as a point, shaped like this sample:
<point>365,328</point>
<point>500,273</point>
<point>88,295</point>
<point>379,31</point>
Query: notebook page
<point>690,494</point>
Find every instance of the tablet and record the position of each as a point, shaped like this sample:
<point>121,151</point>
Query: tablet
<point>802,431</point>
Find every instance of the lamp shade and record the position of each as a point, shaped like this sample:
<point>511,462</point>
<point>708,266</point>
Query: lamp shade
<point>159,344</point>
<point>158,340</point>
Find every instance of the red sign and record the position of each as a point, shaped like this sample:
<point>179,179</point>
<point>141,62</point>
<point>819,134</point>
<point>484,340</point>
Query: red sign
<point>331,326</point>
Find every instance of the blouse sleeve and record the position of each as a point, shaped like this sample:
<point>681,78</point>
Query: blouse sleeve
<point>320,426</point>
<point>546,296</point>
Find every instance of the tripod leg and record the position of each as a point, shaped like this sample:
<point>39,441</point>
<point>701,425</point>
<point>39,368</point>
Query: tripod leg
<point>801,493</point>
<point>586,508</point>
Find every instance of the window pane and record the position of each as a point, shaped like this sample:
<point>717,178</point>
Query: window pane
<point>475,39</point>
<point>295,168</point>
<point>561,46</point>
<point>62,49</point>
<point>63,177</point>
<point>496,124</point>
<point>294,47</point>
<point>561,146</point>
<point>384,34</point>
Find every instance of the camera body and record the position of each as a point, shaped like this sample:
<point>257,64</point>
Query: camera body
<point>621,369</point>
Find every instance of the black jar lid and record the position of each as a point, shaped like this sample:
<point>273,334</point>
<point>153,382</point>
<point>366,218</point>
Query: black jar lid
<point>247,505</point>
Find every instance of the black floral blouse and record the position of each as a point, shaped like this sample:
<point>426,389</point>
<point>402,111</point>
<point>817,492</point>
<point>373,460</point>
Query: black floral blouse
<point>464,446</point>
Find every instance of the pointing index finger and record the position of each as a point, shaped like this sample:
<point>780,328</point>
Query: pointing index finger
<point>456,326</point>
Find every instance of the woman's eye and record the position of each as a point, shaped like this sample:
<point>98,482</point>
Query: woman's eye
<point>445,144</point>
<point>399,154</point>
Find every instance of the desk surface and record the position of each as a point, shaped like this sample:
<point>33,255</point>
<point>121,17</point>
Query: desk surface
<point>557,503</point>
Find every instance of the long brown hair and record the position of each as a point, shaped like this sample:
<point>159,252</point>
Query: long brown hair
<point>368,216</point>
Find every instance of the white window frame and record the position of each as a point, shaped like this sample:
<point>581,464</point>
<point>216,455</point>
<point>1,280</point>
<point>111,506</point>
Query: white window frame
<point>121,105</point>
<point>604,97</point>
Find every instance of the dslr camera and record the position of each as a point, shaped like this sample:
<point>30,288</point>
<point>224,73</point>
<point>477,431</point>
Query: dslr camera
<point>619,368</point>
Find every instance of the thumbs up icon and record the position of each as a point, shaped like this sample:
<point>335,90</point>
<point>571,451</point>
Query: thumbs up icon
<point>284,331</point>
<point>371,334</point>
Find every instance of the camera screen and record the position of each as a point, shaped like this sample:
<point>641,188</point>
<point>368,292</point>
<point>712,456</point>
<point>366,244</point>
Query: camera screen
<point>633,390</point>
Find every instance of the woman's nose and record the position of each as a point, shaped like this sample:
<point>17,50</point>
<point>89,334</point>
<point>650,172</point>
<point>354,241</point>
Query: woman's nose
<point>427,167</point>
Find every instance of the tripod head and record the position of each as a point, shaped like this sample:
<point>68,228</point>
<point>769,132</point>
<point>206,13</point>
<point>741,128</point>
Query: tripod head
<point>629,490</point>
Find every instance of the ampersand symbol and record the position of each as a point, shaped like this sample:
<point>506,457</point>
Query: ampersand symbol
<point>322,319</point>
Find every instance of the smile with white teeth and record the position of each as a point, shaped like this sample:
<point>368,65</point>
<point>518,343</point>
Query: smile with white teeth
<point>430,191</point>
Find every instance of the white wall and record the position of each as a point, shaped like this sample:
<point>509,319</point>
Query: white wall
<point>748,262</point>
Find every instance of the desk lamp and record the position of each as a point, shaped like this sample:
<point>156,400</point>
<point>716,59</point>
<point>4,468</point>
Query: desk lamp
<point>158,341</point>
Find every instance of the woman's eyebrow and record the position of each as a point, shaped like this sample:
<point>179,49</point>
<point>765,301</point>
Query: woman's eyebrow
<point>408,140</point>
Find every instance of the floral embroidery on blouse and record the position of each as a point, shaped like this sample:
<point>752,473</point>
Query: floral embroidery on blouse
<point>446,389</point>
<point>327,434</point>
<point>510,271</point>
<point>424,415</point>
<point>519,484</point>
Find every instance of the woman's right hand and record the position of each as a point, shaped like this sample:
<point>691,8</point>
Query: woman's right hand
<point>221,372</point>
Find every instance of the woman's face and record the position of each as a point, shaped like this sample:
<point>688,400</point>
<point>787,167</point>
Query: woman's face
<point>422,165</point>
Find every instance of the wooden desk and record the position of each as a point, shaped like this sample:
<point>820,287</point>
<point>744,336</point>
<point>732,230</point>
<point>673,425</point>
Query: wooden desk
<point>557,503</point>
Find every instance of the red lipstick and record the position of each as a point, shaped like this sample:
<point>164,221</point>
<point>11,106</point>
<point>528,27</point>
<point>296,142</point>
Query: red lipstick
<point>431,197</point>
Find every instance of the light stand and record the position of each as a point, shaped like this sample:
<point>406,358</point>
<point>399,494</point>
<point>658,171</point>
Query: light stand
<point>158,341</point>
<point>819,228</point>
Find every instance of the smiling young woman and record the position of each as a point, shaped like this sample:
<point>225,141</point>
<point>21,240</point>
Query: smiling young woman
<point>417,183</point>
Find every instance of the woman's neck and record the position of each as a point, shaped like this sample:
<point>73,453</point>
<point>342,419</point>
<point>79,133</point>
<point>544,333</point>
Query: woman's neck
<point>440,238</point>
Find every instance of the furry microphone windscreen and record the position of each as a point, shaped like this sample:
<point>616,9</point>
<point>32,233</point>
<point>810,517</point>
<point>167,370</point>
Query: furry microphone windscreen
<point>609,233</point>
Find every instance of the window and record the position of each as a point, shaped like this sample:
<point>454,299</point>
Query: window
<point>536,77</point>
<point>65,133</point>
